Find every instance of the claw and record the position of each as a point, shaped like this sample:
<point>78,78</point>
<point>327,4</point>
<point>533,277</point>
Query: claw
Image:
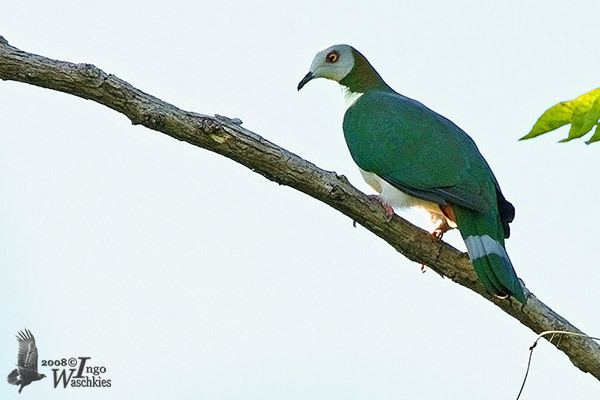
<point>441,228</point>
<point>389,211</point>
<point>438,233</point>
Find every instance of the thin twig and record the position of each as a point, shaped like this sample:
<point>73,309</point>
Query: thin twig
<point>541,335</point>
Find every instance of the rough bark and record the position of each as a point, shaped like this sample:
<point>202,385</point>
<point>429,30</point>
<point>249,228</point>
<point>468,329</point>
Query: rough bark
<point>226,137</point>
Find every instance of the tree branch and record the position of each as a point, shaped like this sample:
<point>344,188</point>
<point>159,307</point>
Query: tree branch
<point>224,136</point>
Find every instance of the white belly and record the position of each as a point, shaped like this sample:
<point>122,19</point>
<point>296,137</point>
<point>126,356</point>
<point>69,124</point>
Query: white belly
<point>392,196</point>
<point>398,199</point>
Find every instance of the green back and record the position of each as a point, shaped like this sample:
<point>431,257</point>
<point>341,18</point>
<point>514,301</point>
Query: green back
<point>418,151</point>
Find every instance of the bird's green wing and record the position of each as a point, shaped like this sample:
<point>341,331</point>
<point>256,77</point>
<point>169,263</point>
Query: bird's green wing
<point>418,151</point>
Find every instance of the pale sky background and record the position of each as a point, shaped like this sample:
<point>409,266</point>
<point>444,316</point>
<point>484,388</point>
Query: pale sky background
<point>190,277</point>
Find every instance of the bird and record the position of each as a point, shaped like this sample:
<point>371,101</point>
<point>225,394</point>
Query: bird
<point>27,359</point>
<point>414,157</point>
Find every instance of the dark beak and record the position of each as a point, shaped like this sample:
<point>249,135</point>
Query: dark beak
<point>305,80</point>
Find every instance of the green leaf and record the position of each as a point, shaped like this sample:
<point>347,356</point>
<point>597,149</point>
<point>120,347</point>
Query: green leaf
<point>554,117</point>
<point>582,113</point>
<point>596,136</point>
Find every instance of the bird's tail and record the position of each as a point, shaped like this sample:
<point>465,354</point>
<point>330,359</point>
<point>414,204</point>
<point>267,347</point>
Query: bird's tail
<point>12,377</point>
<point>484,236</point>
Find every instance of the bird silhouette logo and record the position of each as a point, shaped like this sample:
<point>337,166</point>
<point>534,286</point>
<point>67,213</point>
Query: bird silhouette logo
<point>27,362</point>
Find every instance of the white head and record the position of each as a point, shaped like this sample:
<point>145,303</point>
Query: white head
<point>332,63</point>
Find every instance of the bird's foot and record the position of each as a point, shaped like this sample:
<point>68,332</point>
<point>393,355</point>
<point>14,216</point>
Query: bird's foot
<point>438,233</point>
<point>389,211</point>
<point>441,228</point>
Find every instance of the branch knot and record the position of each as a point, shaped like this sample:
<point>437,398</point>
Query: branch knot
<point>209,125</point>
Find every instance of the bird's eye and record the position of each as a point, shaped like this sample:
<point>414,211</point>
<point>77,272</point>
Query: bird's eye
<point>332,57</point>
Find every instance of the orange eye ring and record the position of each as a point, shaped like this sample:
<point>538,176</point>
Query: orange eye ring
<point>332,57</point>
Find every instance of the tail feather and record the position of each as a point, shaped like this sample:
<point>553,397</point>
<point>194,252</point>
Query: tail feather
<point>484,236</point>
<point>486,275</point>
<point>483,267</point>
<point>494,263</point>
<point>12,377</point>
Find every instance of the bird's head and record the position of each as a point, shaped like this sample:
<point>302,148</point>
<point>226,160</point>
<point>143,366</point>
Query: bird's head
<point>347,66</point>
<point>333,63</point>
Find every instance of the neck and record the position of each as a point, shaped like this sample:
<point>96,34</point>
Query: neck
<point>363,76</point>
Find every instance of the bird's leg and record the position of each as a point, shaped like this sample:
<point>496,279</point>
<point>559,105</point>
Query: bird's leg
<point>441,221</point>
<point>389,211</point>
<point>440,228</point>
<point>448,218</point>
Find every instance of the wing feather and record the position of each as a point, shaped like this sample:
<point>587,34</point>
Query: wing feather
<point>418,151</point>
<point>442,195</point>
<point>27,356</point>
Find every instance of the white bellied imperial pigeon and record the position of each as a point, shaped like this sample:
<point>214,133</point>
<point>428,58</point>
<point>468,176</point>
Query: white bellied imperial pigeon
<point>413,156</point>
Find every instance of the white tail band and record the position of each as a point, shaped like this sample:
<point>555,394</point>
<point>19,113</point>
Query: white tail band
<point>483,245</point>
